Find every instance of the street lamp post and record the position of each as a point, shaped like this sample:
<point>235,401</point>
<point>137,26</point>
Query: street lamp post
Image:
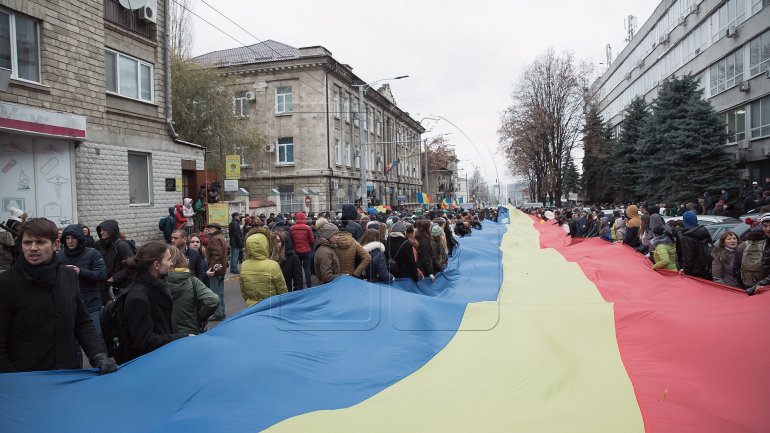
<point>362,152</point>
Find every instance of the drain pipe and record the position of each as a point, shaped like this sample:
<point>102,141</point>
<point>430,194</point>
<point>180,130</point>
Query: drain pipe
<point>167,70</point>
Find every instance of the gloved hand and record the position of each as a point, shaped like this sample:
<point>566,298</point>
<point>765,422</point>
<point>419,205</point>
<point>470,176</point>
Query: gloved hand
<point>751,290</point>
<point>104,363</point>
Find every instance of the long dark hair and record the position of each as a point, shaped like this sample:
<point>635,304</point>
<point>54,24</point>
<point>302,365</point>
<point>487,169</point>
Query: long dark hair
<point>423,231</point>
<point>369,236</point>
<point>147,254</point>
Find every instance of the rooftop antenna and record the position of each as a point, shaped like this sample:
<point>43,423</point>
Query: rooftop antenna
<point>630,26</point>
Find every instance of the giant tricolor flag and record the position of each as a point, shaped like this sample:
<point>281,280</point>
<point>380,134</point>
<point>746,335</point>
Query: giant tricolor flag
<point>525,331</point>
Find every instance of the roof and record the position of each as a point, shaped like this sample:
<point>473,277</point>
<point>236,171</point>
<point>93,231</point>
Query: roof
<point>262,52</point>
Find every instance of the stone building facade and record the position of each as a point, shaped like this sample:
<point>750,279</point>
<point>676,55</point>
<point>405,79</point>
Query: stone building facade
<point>84,131</point>
<point>305,103</point>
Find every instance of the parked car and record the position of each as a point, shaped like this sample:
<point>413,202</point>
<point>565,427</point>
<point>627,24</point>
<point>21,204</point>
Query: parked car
<point>706,219</point>
<point>716,230</point>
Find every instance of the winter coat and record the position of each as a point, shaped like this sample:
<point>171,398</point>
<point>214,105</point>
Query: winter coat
<point>663,252</point>
<point>92,268</point>
<point>40,323</point>
<point>291,268</point>
<point>180,220</point>
<point>593,225</point>
<point>260,276</point>
<point>349,251</point>
<point>377,270</point>
<point>166,225</point>
<point>325,262</point>
<point>147,316</point>
<point>722,266</point>
<point>751,235</point>
<point>188,212</point>
<point>198,266</point>
<point>302,235</point>
<point>236,236</point>
<point>400,249</point>
<point>425,256</point>
<point>114,251</point>
<point>692,254</point>
<point>182,283</point>
<point>216,252</point>
<point>620,229</point>
<point>349,224</point>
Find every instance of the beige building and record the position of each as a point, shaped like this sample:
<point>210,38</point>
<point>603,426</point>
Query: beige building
<point>306,104</point>
<point>84,135</point>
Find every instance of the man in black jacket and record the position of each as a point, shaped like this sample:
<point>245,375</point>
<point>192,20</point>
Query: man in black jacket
<point>115,251</point>
<point>693,250</point>
<point>42,311</point>
<point>236,242</point>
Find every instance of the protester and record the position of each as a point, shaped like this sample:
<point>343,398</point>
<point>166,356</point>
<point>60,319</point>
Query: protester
<point>377,269</point>
<point>193,302</point>
<point>167,224</point>
<point>43,314</point>
<point>261,277</point>
<point>349,221</point>
<point>353,258</point>
<point>197,264</point>
<point>115,251</point>
<point>89,240</point>
<point>325,262</point>
<point>216,257</point>
<point>723,257</point>
<point>149,306</point>
<point>398,251</point>
<point>438,248</point>
<point>89,267</point>
<point>236,241</point>
<point>291,267</point>
<point>303,239</point>
<point>663,249</point>
<point>424,249</point>
<point>693,250</point>
<point>633,227</point>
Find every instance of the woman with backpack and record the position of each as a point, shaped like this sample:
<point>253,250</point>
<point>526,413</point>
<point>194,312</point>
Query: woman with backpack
<point>194,303</point>
<point>724,256</point>
<point>377,269</point>
<point>751,272</point>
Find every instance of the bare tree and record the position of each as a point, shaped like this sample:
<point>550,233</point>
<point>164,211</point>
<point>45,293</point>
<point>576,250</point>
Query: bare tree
<point>542,126</point>
<point>181,28</point>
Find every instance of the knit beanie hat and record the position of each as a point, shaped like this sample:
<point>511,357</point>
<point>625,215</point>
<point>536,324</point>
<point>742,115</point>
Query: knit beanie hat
<point>327,231</point>
<point>690,219</point>
<point>765,217</point>
<point>392,220</point>
<point>16,213</point>
<point>435,230</point>
<point>398,227</point>
<point>373,225</point>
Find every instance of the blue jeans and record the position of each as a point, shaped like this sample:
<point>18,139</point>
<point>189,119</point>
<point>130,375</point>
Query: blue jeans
<point>306,259</point>
<point>218,287</point>
<point>235,253</point>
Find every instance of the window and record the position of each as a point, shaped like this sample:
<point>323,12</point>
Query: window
<point>240,105</point>
<point>346,106</point>
<point>377,123</point>
<point>336,102</point>
<point>759,54</point>
<point>348,156</point>
<point>727,72</point>
<point>366,117</point>
<point>760,117</point>
<point>139,182</point>
<point>757,5</point>
<point>735,124</point>
<point>357,157</point>
<point>20,46</point>
<point>286,150</point>
<point>127,76</point>
<point>287,198</point>
<point>732,13</point>
<point>337,152</point>
<point>283,100</point>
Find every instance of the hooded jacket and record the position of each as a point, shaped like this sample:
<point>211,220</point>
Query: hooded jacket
<point>291,267</point>
<point>377,270</point>
<point>325,263</point>
<point>216,252</point>
<point>349,224</point>
<point>167,224</point>
<point>180,219</point>
<point>301,235</point>
<point>349,251</point>
<point>90,263</point>
<point>188,211</point>
<point>693,252</point>
<point>633,225</point>
<point>399,249</point>
<point>182,284</point>
<point>261,277</point>
<point>114,251</point>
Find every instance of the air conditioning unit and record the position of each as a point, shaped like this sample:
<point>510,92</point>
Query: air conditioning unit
<point>149,11</point>
<point>743,145</point>
<point>270,148</point>
<point>334,184</point>
<point>664,39</point>
<point>731,32</point>
<point>767,74</point>
<point>745,86</point>
<point>251,96</point>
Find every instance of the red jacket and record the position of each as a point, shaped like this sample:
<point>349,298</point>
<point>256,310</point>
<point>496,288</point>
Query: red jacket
<point>180,219</point>
<point>301,235</point>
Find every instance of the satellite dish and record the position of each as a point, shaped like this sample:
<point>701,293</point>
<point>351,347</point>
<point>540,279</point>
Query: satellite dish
<point>133,4</point>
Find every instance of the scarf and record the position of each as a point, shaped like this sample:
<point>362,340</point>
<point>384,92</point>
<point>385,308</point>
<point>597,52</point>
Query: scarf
<point>46,275</point>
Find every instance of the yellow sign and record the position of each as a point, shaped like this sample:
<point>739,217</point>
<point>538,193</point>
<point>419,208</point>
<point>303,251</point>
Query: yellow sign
<point>232,166</point>
<point>179,184</point>
<point>218,213</point>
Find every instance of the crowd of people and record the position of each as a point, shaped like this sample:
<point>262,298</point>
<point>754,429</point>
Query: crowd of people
<point>171,289</point>
<point>679,244</point>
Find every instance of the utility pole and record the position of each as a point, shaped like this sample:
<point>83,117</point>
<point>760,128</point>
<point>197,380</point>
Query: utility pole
<point>427,189</point>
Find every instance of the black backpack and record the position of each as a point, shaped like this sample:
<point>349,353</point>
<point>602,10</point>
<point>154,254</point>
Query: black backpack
<point>114,331</point>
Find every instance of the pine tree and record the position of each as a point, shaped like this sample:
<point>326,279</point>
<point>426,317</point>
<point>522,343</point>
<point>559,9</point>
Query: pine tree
<point>571,178</point>
<point>625,161</point>
<point>597,176</point>
<point>683,146</point>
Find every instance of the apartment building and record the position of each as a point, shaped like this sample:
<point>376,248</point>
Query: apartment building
<point>306,103</point>
<point>84,120</point>
<point>726,44</point>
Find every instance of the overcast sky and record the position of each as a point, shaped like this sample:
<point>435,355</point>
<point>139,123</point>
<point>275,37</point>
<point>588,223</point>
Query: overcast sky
<point>462,57</point>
